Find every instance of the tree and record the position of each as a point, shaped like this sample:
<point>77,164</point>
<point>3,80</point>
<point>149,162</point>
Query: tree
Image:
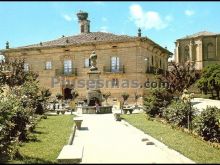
<point>106,96</point>
<point>136,97</point>
<point>18,106</point>
<point>181,77</point>
<point>210,80</point>
<point>12,73</point>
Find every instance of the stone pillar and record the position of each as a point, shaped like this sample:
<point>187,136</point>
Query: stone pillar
<point>191,50</point>
<point>177,55</point>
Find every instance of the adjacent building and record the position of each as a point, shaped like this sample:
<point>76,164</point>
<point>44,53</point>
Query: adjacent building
<point>119,58</point>
<point>203,48</point>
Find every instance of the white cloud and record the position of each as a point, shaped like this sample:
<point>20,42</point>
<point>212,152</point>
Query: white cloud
<point>98,3</point>
<point>149,19</point>
<point>103,29</point>
<point>67,17</point>
<point>189,12</point>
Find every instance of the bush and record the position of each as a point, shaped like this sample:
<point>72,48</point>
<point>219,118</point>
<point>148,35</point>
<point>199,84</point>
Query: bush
<point>207,124</point>
<point>177,113</point>
<point>13,120</point>
<point>156,101</point>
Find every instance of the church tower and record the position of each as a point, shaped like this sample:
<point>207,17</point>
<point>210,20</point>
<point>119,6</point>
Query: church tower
<point>83,22</point>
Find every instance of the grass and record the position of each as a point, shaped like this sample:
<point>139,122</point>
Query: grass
<point>190,146</point>
<point>51,135</point>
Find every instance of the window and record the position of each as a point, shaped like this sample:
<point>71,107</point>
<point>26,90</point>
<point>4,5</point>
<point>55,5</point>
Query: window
<point>160,63</point>
<point>210,51</point>
<point>115,64</point>
<point>115,82</point>
<point>26,67</point>
<point>87,63</point>
<point>68,66</point>
<point>82,28</point>
<point>48,65</point>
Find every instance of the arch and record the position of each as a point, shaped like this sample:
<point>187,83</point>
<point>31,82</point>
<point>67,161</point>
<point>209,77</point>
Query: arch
<point>210,50</point>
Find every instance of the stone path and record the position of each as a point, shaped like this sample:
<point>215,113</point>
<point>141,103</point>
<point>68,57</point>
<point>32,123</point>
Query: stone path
<point>201,103</point>
<point>108,141</point>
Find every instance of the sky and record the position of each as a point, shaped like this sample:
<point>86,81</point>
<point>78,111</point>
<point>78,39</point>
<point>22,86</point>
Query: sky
<point>24,23</point>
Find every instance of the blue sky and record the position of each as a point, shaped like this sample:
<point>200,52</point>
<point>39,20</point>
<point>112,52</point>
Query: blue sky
<point>23,23</point>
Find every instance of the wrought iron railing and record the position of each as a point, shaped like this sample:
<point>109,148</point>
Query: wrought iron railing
<point>155,70</point>
<point>110,69</point>
<point>66,72</point>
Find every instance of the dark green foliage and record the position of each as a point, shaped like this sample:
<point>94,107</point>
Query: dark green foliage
<point>59,96</point>
<point>12,73</point>
<point>13,121</point>
<point>181,77</point>
<point>156,101</point>
<point>177,113</point>
<point>207,124</point>
<point>210,80</point>
<point>125,96</point>
<point>19,106</point>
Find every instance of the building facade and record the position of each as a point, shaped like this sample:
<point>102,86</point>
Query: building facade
<point>63,64</point>
<point>203,48</point>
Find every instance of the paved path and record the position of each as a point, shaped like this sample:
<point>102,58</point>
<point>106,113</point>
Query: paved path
<point>108,141</point>
<point>201,103</point>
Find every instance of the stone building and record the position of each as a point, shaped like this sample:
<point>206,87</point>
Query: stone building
<point>203,48</point>
<point>63,63</point>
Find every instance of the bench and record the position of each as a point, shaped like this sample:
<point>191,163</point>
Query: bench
<point>60,110</point>
<point>78,122</point>
<point>70,154</point>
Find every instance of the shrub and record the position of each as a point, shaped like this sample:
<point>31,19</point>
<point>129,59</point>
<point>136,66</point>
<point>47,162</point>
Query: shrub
<point>156,101</point>
<point>106,95</point>
<point>13,121</point>
<point>177,113</point>
<point>207,124</point>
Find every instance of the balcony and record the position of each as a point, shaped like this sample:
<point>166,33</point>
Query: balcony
<point>155,70</point>
<point>109,69</point>
<point>67,72</point>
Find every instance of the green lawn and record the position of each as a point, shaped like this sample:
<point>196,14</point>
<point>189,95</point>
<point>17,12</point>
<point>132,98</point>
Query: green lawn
<point>190,146</point>
<point>51,134</point>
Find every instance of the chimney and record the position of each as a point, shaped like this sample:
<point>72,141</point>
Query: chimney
<point>7,45</point>
<point>83,22</point>
<point>139,32</point>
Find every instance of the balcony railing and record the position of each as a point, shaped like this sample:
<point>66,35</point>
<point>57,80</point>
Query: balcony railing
<point>109,69</point>
<point>155,70</point>
<point>66,72</point>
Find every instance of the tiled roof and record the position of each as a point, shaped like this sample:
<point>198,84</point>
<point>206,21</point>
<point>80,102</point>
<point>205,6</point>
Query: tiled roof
<point>203,33</point>
<point>82,38</point>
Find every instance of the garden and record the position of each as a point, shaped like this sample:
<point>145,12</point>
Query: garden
<point>27,133</point>
<point>170,117</point>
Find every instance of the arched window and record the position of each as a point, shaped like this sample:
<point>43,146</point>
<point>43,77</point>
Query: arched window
<point>210,51</point>
<point>186,53</point>
<point>152,60</point>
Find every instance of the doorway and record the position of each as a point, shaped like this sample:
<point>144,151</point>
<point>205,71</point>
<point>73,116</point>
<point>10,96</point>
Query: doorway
<point>67,93</point>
